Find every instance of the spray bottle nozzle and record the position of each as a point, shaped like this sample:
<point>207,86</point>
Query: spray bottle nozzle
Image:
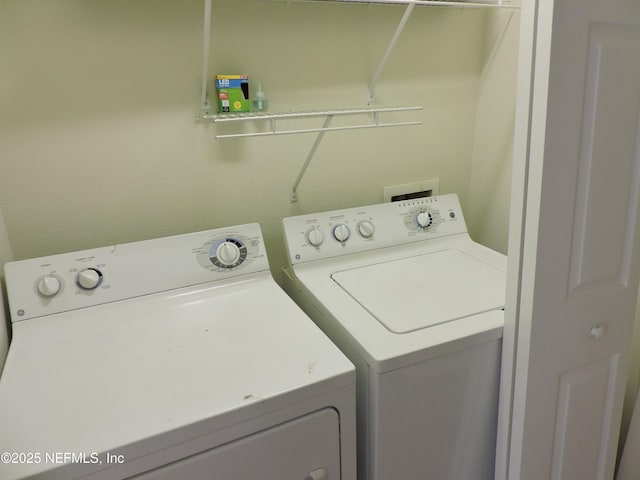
<point>259,102</point>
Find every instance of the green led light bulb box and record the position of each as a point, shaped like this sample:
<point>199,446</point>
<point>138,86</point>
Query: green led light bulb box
<point>233,93</point>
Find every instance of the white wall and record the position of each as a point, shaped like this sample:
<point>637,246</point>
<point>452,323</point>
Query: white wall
<point>98,101</point>
<point>490,183</point>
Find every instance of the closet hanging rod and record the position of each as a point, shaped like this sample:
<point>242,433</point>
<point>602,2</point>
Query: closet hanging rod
<point>318,130</point>
<point>240,117</point>
<point>433,3</point>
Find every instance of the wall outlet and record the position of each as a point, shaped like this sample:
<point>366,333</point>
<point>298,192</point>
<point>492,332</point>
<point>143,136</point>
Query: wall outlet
<point>418,189</point>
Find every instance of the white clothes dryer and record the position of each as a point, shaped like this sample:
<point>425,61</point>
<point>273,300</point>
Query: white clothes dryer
<point>173,358</point>
<point>418,307</point>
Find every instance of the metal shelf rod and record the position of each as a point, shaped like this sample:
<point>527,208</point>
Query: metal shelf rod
<point>274,132</point>
<point>434,3</point>
<point>240,117</point>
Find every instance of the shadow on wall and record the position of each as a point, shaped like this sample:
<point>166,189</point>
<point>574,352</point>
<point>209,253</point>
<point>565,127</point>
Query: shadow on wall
<point>5,256</point>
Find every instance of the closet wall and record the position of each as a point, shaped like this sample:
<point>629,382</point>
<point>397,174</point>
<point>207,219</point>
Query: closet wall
<point>100,144</point>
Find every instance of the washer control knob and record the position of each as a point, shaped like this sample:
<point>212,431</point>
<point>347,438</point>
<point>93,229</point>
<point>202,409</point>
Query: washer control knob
<point>89,278</point>
<point>49,285</point>
<point>424,220</point>
<point>228,253</point>
<point>341,232</point>
<point>366,229</point>
<point>315,237</point>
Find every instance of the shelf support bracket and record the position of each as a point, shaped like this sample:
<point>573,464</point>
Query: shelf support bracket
<point>205,103</point>
<point>314,147</point>
<point>392,44</point>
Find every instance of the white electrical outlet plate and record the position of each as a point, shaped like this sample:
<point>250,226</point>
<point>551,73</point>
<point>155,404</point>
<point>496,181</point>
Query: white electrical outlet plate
<point>430,184</point>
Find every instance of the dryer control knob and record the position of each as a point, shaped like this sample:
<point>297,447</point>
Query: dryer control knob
<point>315,237</point>
<point>228,253</point>
<point>341,232</point>
<point>49,285</point>
<point>424,220</point>
<point>89,278</point>
<point>366,229</point>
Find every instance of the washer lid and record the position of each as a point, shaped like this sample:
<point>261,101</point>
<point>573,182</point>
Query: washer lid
<point>418,292</point>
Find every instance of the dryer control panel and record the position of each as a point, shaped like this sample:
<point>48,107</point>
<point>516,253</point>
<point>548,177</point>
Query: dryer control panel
<point>329,234</point>
<point>68,281</point>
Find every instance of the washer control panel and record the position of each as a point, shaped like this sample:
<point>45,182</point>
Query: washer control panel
<point>329,234</point>
<point>58,283</point>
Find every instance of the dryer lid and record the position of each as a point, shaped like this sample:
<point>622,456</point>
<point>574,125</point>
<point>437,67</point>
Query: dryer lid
<point>418,292</point>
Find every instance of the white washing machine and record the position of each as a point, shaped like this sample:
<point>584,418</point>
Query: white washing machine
<point>173,358</point>
<point>418,307</point>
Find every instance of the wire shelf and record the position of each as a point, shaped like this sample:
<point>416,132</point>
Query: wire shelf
<point>273,126</point>
<point>267,123</point>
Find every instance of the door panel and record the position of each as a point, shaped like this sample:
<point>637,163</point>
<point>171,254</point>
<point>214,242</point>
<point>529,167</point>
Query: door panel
<point>603,237</point>
<point>586,392</point>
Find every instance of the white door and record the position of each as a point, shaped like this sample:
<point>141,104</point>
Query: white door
<point>574,293</point>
